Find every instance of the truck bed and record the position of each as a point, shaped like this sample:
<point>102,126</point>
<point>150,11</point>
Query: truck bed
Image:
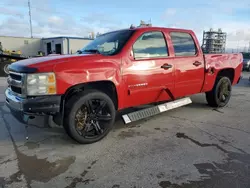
<point>214,63</point>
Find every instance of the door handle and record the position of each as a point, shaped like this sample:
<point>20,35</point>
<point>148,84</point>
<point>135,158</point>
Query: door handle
<point>197,63</point>
<point>166,66</point>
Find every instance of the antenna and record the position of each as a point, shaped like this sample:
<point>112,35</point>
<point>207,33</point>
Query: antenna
<point>31,32</point>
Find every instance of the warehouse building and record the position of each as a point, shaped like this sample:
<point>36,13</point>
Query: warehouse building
<point>63,45</point>
<point>33,46</point>
<point>27,46</point>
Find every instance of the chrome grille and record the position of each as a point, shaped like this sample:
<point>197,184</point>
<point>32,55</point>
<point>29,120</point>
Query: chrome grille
<point>16,82</point>
<point>15,76</point>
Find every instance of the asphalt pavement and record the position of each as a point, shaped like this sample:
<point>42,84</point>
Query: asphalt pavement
<point>190,147</point>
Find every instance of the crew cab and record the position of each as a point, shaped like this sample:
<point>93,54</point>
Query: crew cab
<point>118,70</point>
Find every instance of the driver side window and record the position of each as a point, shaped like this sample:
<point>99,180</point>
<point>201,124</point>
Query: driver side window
<point>150,45</point>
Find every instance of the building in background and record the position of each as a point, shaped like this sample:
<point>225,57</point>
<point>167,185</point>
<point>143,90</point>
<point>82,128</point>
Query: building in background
<point>98,34</point>
<point>27,46</point>
<point>63,45</point>
<point>34,46</point>
<point>92,35</point>
<point>214,41</point>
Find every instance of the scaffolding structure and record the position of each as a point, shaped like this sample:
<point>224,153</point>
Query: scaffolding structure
<point>214,41</point>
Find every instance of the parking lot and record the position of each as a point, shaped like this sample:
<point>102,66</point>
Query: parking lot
<point>189,147</point>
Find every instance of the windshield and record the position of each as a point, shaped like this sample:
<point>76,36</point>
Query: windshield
<point>109,43</point>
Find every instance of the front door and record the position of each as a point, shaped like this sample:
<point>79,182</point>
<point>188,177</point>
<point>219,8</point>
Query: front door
<point>189,64</point>
<point>149,71</point>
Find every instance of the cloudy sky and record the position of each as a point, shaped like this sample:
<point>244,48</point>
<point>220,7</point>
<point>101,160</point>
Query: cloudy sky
<point>80,17</point>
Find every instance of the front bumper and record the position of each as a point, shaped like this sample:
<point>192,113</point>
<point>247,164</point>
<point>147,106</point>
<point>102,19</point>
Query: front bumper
<point>25,108</point>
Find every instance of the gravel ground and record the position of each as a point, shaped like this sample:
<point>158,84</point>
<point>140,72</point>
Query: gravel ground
<point>190,147</point>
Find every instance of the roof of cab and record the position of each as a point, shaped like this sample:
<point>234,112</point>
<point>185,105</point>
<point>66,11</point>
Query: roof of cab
<point>152,28</point>
<point>162,28</point>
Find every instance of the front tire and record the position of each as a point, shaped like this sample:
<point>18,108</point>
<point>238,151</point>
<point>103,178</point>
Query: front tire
<point>221,93</point>
<point>89,116</point>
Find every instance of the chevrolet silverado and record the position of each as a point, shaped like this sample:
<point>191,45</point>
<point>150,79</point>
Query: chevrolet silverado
<point>118,70</point>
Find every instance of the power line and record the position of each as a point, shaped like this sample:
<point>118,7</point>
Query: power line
<point>31,32</point>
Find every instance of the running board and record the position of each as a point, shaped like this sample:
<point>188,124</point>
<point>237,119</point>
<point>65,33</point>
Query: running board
<point>148,112</point>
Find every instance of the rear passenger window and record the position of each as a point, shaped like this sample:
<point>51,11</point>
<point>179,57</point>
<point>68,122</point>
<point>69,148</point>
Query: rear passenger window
<point>150,45</point>
<point>184,44</point>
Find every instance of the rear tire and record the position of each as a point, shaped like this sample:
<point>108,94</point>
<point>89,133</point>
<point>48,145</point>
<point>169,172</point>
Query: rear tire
<point>89,116</point>
<point>221,93</point>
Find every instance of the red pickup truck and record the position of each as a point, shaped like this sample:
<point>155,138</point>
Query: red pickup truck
<point>118,70</point>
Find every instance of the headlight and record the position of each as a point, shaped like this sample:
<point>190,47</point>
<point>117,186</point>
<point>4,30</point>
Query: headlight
<point>41,84</point>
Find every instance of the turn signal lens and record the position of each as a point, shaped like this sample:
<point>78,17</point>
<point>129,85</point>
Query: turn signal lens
<point>51,78</point>
<point>51,89</point>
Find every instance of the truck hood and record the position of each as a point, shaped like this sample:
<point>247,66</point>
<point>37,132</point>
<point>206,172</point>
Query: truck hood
<point>32,65</point>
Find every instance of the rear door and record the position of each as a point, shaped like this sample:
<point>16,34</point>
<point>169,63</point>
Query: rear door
<point>144,74</point>
<point>189,64</point>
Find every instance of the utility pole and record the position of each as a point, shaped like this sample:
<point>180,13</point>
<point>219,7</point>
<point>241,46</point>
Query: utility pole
<point>31,32</point>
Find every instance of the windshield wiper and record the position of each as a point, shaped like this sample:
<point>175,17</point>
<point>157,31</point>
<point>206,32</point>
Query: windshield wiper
<point>92,51</point>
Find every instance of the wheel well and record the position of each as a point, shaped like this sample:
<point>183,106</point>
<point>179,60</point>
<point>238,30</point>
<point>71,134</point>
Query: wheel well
<point>107,87</point>
<point>228,73</point>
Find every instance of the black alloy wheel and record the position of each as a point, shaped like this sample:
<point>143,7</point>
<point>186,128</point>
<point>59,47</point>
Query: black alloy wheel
<point>221,93</point>
<point>90,116</point>
<point>224,91</point>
